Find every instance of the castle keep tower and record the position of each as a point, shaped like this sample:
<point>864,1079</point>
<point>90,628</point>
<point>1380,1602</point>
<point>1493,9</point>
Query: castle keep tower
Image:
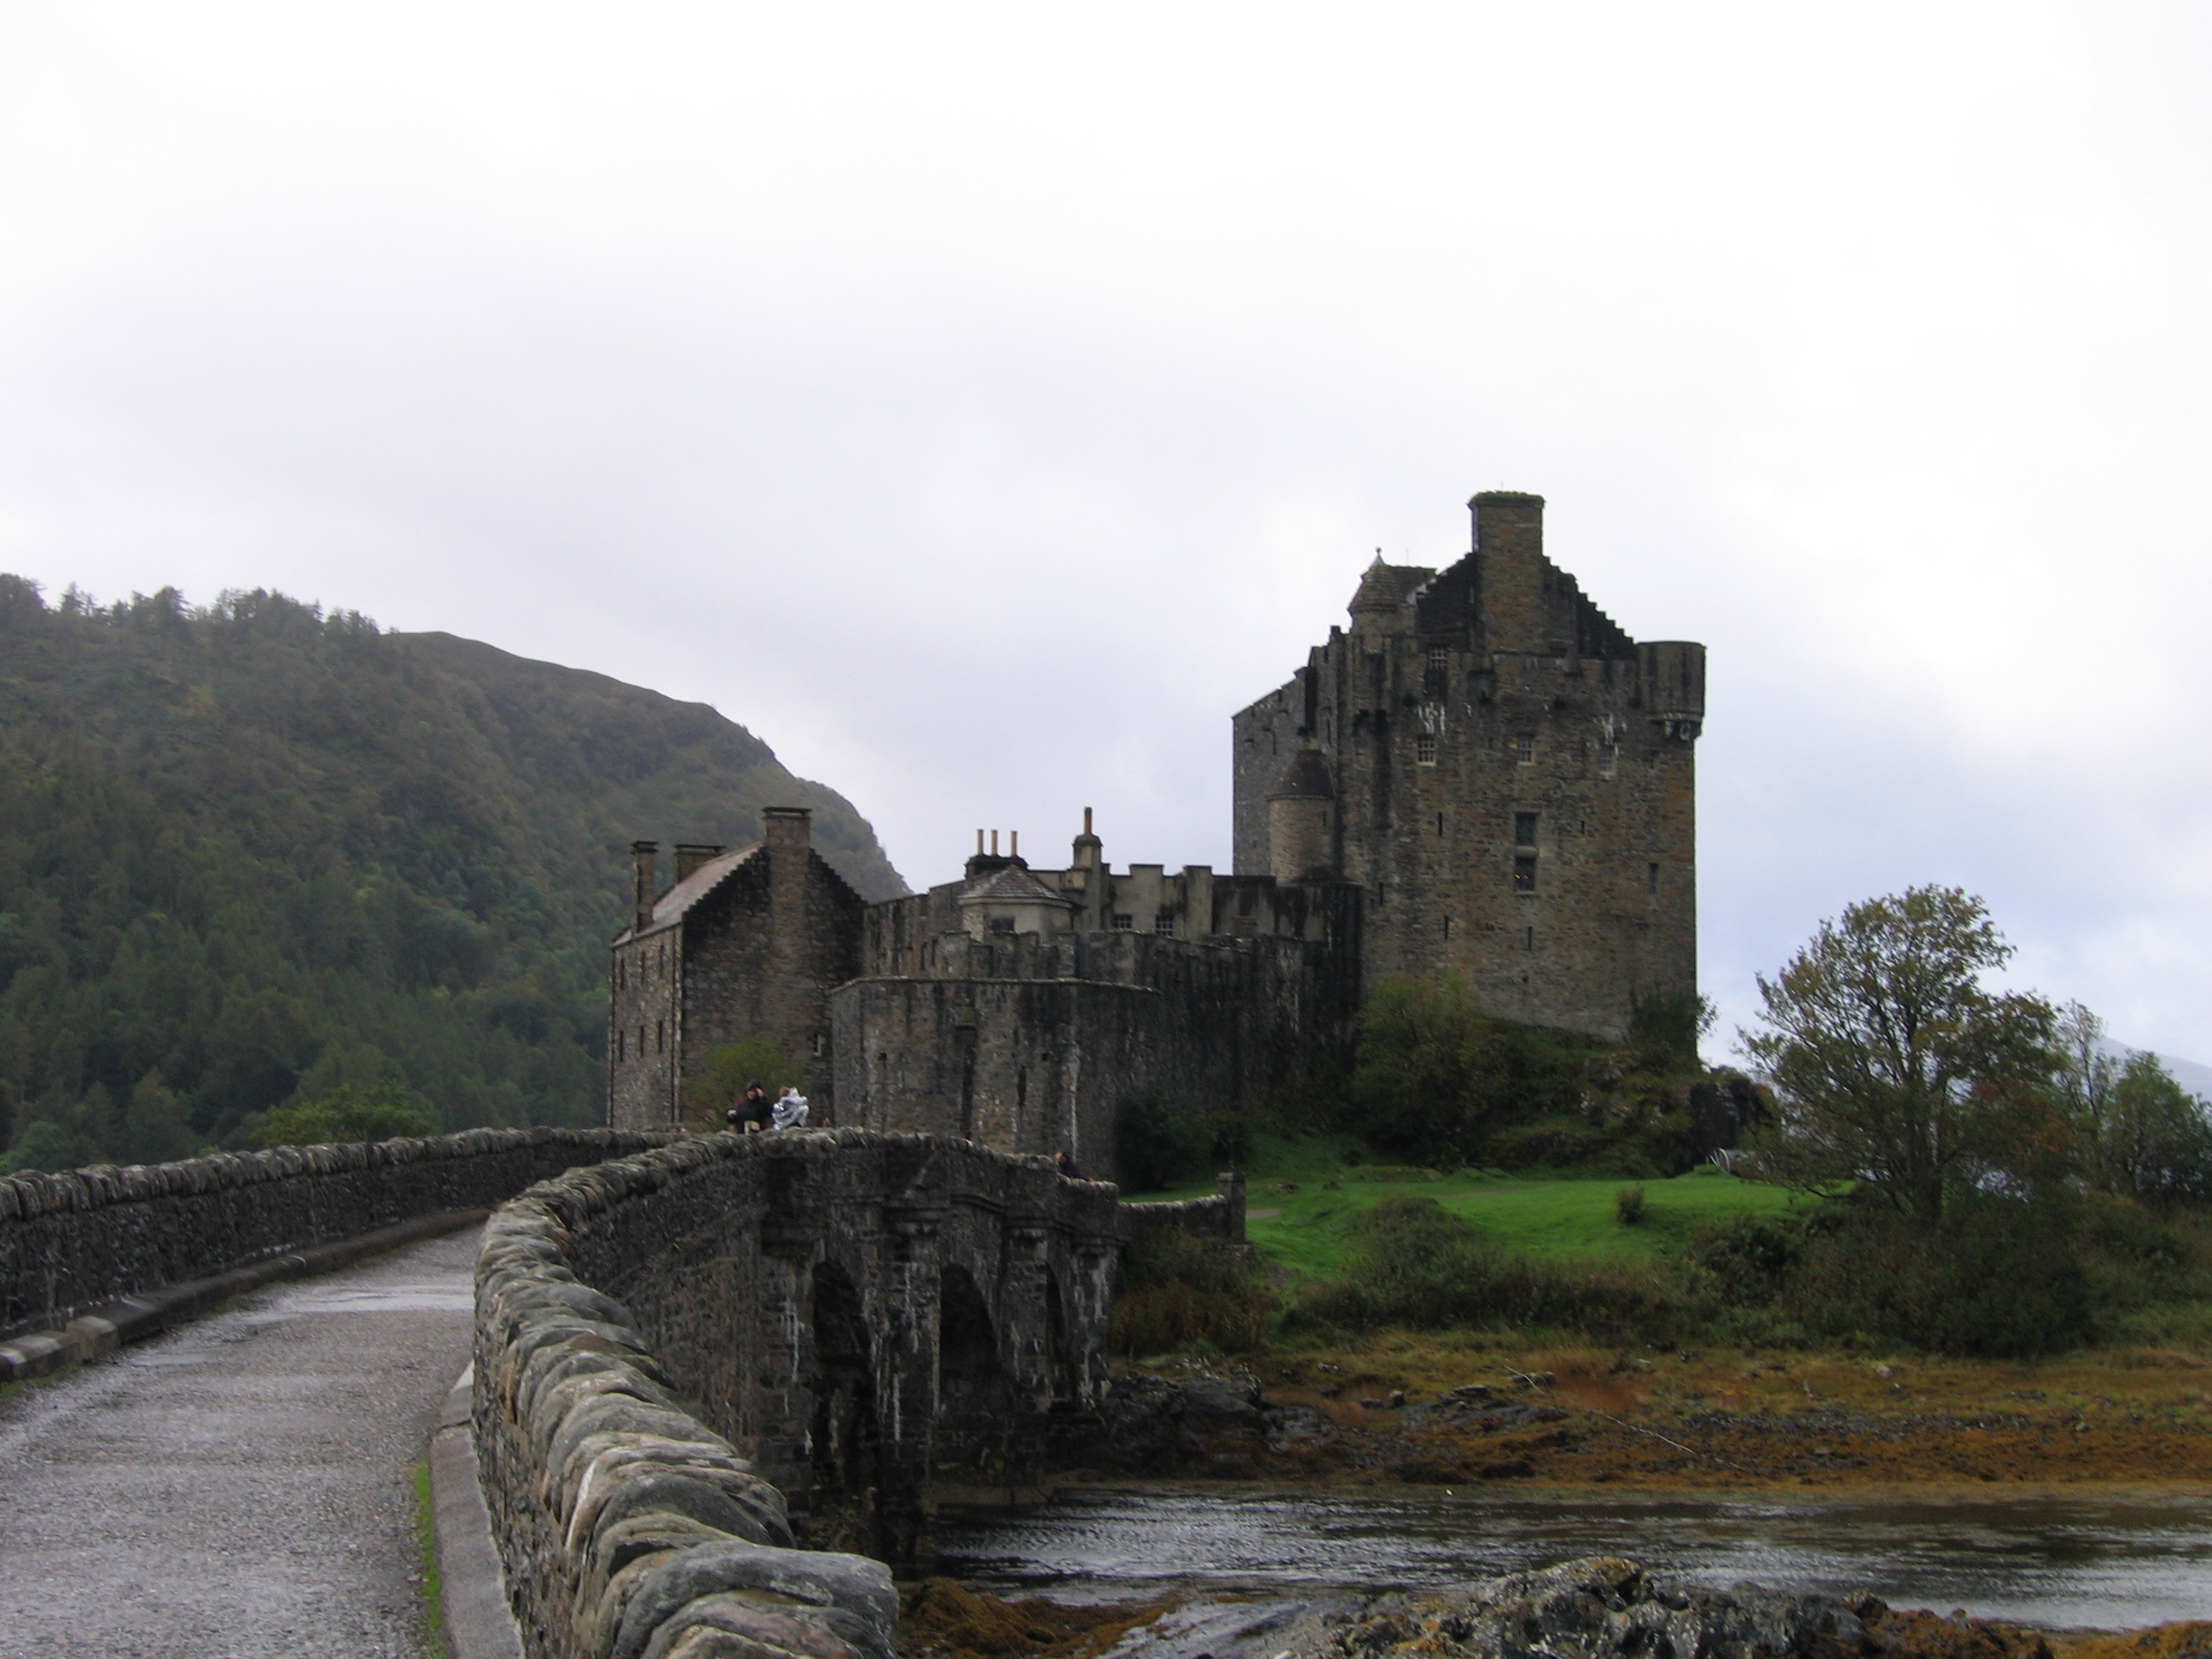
<point>1508,778</point>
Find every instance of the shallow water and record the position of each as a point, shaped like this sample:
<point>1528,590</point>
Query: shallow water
<point>2105,1562</point>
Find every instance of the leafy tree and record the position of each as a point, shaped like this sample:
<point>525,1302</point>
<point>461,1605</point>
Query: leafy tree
<point>348,1113</point>
<point>2154,1143</point>
<point>2141,1134</point>
<point>721,1081</point>
<point>1892,1064</point>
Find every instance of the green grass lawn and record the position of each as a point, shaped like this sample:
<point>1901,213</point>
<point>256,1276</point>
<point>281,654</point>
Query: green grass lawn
<point>1300,1207</point>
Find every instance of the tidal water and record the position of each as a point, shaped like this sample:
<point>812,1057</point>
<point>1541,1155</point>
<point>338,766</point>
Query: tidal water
<point>2103,1562</point>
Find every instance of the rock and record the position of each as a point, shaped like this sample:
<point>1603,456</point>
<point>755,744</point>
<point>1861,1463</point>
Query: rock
<point>1605,1608</point>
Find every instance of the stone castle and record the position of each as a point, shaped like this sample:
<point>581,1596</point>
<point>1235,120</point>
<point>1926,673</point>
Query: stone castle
<point>1482,778</point>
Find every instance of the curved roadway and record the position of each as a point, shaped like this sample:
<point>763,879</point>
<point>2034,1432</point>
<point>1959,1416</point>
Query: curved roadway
<point>242,1485</point>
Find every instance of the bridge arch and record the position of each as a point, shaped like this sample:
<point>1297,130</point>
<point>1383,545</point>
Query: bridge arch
<point>844,1441</point>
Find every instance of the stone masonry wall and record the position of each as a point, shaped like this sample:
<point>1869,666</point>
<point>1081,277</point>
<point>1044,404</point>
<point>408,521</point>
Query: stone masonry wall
<point>1041,1066</point>
<point>1514,782</point>
<point>689,1360</point>
<point>88,1236</point>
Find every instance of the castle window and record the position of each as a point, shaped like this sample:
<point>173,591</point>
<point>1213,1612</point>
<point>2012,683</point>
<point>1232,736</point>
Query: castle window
<point>1524,873</point>
<point>1528,942</point>
<point>660,1037</point>
<point>1433,681</point>
<point>1164,922</point>
<point>1425,748</point>
<point>1608,759</point>
<point>1446,927</point>
<point>622,973</point>
<point>641,1039</point>
<point>1002,924</point>
<point>1124,923</point>
<point>1440,824</point>
<point>1651,878</point>
<point>1523,750</point>
<point>1524,829</point>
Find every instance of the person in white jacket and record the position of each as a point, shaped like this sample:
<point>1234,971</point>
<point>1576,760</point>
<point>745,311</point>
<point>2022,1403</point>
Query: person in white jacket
<point>790,1112</point>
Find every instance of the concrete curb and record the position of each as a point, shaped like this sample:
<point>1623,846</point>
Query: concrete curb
<point>479,1624</point>
<point>101,1331</point>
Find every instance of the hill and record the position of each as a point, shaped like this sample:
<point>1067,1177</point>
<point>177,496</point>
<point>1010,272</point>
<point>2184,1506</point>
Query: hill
<point>250,853</point>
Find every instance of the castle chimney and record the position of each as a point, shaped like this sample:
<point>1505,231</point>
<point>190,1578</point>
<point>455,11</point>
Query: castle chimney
<point>690,854</point>
<point>1013,843</point>
<point>994,843</point>
<point>1508,554</point>
<point>645,857</point>
<point>1092,916</point>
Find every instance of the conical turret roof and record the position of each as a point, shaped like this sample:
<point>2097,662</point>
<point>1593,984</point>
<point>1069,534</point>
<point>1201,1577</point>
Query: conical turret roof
<point>1306,778</point>
<point>1387,587</point>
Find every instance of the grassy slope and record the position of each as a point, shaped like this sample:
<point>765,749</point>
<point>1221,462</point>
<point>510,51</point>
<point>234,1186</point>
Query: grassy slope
<point>1547,1218</point>
<point>1302,1199</point>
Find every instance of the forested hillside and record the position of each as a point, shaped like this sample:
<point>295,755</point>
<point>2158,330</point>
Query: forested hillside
<point>252,854</point>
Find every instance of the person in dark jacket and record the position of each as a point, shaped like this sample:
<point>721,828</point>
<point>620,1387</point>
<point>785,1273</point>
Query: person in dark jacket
<point>1068,1167</point>
<point>749,1112</point>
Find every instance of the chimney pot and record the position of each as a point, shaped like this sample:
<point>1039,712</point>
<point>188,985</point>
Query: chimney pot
<point>690,854</point>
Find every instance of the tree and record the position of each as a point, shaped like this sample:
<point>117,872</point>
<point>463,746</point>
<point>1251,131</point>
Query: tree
<point>1894,1065</point>
<point>348,1113</point>
<point>721,1081</point>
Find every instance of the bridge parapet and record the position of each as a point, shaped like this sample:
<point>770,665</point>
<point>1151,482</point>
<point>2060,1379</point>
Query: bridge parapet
<point>87,1238</point>
<point>690,1359</point>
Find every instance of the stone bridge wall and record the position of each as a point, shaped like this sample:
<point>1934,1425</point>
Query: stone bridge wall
<point>688,1359</point>
<point>89,1236</point>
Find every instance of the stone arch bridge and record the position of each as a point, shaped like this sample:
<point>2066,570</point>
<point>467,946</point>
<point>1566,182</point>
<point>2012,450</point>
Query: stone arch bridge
<point>874,1319</point>
<point>705,1368</point>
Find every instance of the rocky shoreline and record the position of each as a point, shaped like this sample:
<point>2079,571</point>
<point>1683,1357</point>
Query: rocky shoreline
<point>1596,1607</point>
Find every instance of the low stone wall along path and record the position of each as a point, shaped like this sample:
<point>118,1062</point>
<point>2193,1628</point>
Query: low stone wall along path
<point>243,1484</point>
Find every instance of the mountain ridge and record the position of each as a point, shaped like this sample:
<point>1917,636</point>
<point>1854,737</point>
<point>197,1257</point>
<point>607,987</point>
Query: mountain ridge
<point>252,852</point>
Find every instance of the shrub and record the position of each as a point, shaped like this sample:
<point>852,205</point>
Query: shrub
<point>1750,1258</point>
<point>1175,1289</point>
<point>2001,1278</point>
<point>1435,1077</point>
<point>1628,1205</point>
<point>722,1079</point>
<point>1664,1027</point>
<point>1157,1144</point>
<point>1421,1267</point>
<point>351,1112</point>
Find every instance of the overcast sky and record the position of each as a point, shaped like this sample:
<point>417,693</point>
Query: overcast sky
<point>981,403</point>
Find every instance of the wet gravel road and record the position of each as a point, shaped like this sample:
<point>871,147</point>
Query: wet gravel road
<point>243,1486</point>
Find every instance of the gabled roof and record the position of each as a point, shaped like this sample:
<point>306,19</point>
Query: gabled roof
<point>1387,587</point>
<point>1013,885</point>
<point>669,908</point>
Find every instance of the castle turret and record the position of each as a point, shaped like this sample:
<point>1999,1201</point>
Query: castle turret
<point>1301,813</point>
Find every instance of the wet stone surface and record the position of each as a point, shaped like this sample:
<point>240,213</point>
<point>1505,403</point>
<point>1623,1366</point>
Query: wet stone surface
<point>243,1486</point>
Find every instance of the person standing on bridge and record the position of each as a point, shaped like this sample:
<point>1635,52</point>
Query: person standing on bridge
<point>790,1109</point>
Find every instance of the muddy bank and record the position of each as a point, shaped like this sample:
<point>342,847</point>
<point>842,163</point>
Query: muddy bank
<point>1595,1427</point>
<point>1598,1608</point>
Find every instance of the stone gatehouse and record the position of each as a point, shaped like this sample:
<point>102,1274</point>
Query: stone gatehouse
<point>1482,777</point>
